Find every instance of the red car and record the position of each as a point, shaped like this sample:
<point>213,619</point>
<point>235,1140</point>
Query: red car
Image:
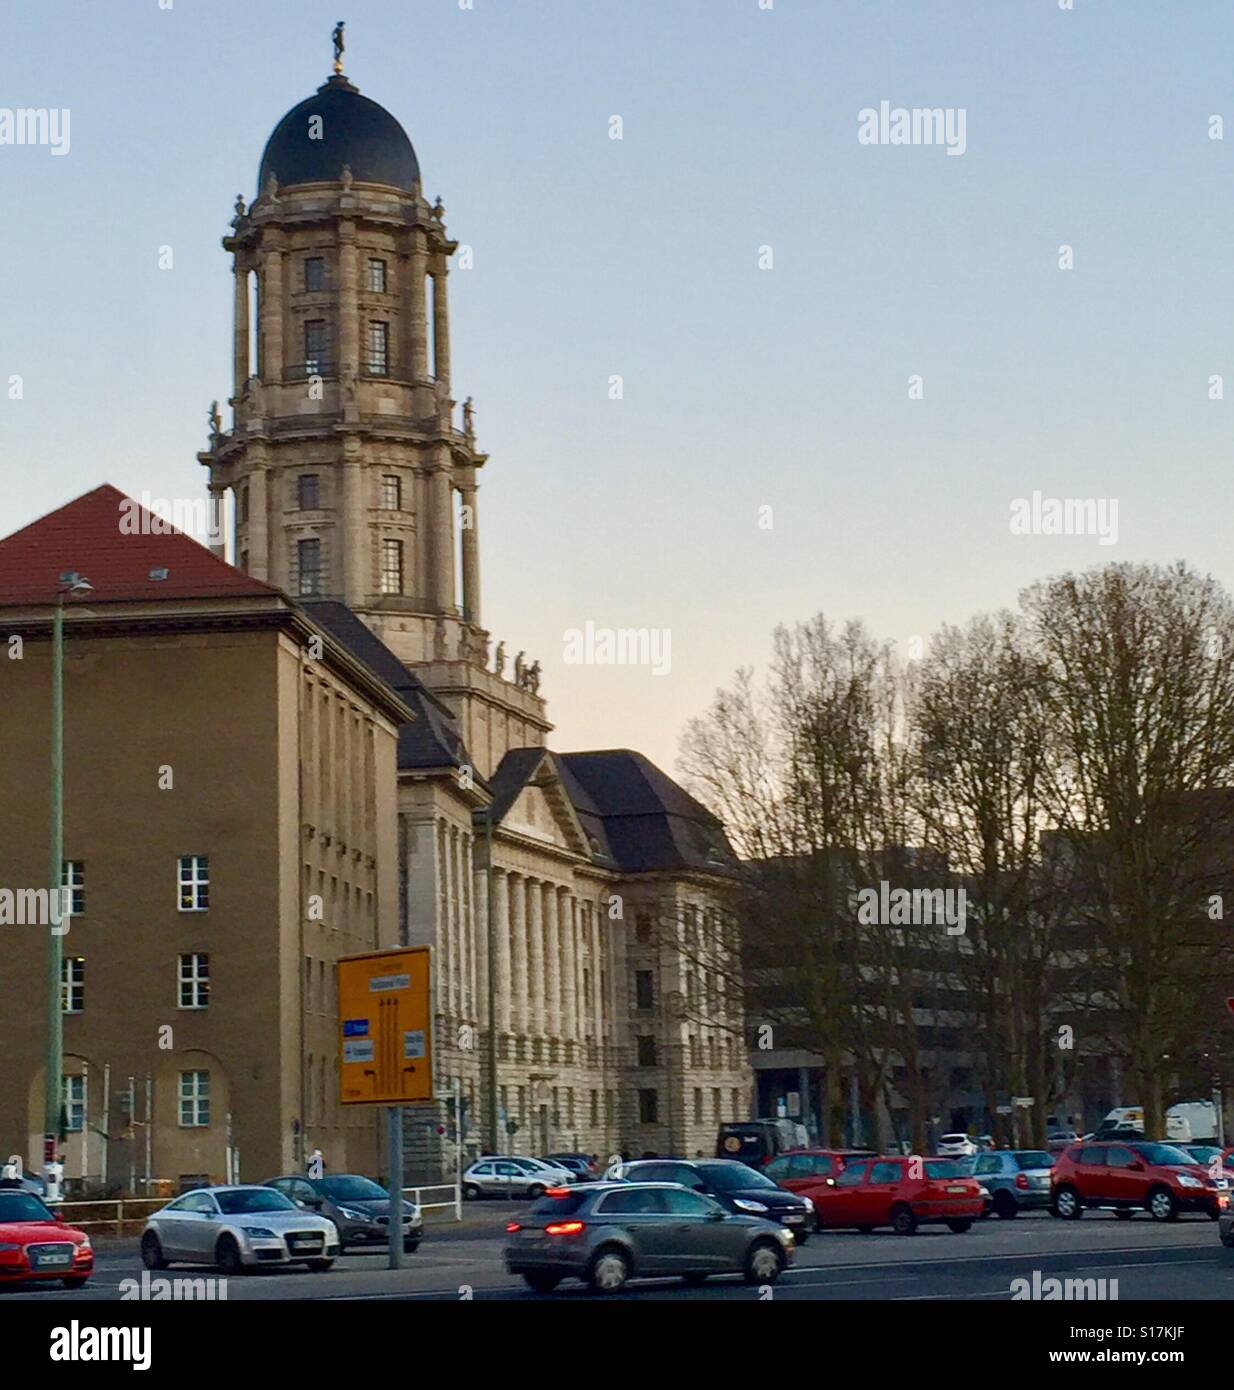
<point>1139,1175</point>
<point>36,1244</point>
<point>902,1193</point>
<point>804,1170</point>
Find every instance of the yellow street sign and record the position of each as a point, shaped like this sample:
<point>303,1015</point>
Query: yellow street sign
<point>385,1027</point>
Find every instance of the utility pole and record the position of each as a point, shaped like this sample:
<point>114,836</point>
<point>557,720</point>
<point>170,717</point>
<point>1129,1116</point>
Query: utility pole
<point>491,1117</point>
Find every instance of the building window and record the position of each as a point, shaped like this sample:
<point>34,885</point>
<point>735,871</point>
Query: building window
<point>314,273</point>
<point>644,990</point>
<point>642,928</point>
<point>74,1104</point>
<point>646,1051</point>
<point>242,504</point>
<point>308,567</point>
<point>308,492</point>
<point>73,984</point>
<point>195,980</point>
<point>315,346</point>
<point>391,493</point>
<point>392,567</point>
<point>648,1107</point>
<point>737,1115</point>
<point>715,1105</point>
<point>194,880</point>
<point>377,277</point>
<point>194,1099</point>
<point>74,877</point>
<point>595,1108</point>
<point>379,349</point>
<point>698,1105</point>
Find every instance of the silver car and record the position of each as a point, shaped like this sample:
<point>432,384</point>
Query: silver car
<point>238,1228</point>
<point>508,1177</point>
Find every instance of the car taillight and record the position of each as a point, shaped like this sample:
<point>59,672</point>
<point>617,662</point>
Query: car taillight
<point>512,1226</point>
<point>564,1228</point>
<point>556,1191</point>
<point>1021,1180</point>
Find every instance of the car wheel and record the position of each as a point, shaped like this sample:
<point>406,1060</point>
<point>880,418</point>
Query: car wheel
<point>535,1191</point>
<point>410,1247</point>
<point>1005,1206</point>
<point>1067,1204</point>
<point>1227,1238</point>
<point>1161,1204</point>
<point>1123,1214</point>
<point>903,1222</point>
<point>609,1271</point>
<point>764,1262</point>
<point>471,1192</point>
<point>542,1283</point>
<point>959,1227</point>
<point>694,1280</point>
<point>320,1266</point>
<point>227,1257</point>
<point>865,1230</point>
<point>76,1282</point>
<point>800,1237</point>
<point>152,1252</point>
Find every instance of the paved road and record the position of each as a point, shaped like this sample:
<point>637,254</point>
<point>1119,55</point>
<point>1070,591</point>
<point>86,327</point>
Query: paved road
<point>1181,1260</point>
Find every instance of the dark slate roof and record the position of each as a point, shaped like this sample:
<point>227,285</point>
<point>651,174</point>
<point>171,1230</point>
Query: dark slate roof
<point>354,131</point>
<point>432,739</point>
<point>637,818</point>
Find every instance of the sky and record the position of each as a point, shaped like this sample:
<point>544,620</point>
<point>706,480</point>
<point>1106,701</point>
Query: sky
<point>768,288</point>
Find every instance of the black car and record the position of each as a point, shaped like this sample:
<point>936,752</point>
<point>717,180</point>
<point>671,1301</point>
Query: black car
<point>734,1185</point>
<point>357,1206</point>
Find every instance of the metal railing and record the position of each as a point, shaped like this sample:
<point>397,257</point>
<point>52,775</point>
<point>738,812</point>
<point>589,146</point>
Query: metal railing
<point>455,1199</point>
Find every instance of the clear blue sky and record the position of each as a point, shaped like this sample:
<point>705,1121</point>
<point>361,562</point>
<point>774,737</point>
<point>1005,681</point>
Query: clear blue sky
<point>743,388</point>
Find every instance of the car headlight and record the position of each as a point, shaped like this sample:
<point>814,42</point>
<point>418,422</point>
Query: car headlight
<point>1186,1180</point>
<point>84,1244</point>
<point>257,1230</point>
<point>413,1211</point>
<point>748,1206</point>
<point>809,1204</point>
<point>354,1215</point>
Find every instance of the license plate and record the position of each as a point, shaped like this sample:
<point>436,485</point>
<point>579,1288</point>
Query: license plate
<point>306,1245</point>
<point>955,1187</point>
<point>526,1234</point>
<point>53,1260</point>
<point>794,1219</point>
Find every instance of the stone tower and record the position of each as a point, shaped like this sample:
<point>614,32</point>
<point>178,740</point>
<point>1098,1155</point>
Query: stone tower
<point>353,476</point>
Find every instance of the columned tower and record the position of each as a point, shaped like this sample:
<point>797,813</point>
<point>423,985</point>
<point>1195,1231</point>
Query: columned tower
<point>353,476</point>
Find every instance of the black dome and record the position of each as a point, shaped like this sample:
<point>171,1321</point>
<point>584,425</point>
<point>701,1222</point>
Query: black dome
<point>353,131</point>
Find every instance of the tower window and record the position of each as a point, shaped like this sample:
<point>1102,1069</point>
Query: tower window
<point>308,492</point>
<point>73,984</point>
<point>314,273</point>
<point>391,493</point>
<point>377,277</point>
<point>316,343</point>
<point>308,567</point>
<point>379,349</point>
<point>392,567</point>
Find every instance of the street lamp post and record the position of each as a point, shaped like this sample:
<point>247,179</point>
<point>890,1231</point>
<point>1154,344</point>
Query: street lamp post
<point>70,583</point>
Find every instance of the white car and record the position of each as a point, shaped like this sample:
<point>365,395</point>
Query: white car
<point>238,1228</point>
<point>956,1146</point>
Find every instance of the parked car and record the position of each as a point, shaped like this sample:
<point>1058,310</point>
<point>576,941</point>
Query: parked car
<point>506,1177</point>
<point>1059,1139</point>
<point>555,1172</point>
<point>1225,1227</point>
<point>1016,1179</point>
<point>955,1146</point>
<point>357,1206</point>
<point>36,1244</point>
<point>757,1142</point>
<point>736,1186</point>
<point>802,1170</point>
<point>583,1166</point>
<point>1139,1175</point>
<point>608,1233</point>
<point>902,1193</point>
<point>238,1228</point>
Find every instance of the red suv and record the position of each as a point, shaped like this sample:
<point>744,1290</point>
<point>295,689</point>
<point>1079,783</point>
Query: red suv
<point>901,1193</point>
<point>1138,1175</point>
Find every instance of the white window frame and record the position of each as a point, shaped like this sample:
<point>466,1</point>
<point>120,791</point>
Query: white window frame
<point>189,972</point>
<point>195,1095</point>
<point>71,966</point>
<point>193,873</point>
<point>74,1103</point>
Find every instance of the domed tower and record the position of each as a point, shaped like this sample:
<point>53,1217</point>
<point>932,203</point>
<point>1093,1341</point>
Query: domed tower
<point>354,478</point>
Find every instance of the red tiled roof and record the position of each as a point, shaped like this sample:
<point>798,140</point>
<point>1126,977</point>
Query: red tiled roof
<point>86,535</point>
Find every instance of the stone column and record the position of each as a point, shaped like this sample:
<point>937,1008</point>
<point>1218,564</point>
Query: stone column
<point>569,985</point>
<point>552,954</point>
<point>441,324</point>
<point>218,533</point>
<point>471,555</point>
<point>349,571</point>
<point>415,300</point>
<point>241,350</point>
<point>348,329</point>
<point>271,306</point>
<point>479,934</point>
<point>467,927</point>
<point>519,952</point>
<point>597,947</point>
<point>258,524</point>
<point>447,916</point>
<point>580,992</point>
<point>535,955</point>
<point>441,535</point>
<point>501,925</point>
